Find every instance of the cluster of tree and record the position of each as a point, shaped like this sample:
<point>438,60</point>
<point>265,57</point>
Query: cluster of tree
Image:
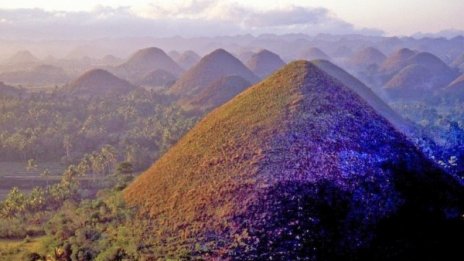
<point>140,126</point>
<point>73,225</point>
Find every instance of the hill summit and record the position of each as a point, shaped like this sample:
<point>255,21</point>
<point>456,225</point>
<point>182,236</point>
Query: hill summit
<point>98,82</point>
<point>296,167</point>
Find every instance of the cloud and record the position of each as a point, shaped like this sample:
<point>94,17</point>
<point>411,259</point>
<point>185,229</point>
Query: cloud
<point>187,18</point>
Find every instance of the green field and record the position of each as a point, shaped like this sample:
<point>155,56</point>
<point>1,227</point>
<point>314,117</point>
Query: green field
<point>15,249</point>
<point>14,174</point>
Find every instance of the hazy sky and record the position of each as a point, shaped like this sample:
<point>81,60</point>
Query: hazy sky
<point>203,17</point>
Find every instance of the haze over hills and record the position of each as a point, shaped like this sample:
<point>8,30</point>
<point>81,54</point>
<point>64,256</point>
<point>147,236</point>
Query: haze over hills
<point>264,63</point>
<point>367,57</point>
<point>209,69</point>
<point>145,61</point>
<point>38,76</point>
<point>98,83</point>
<point>286,168</point>
<point>314,53</point>
<point>22,58</point>
<point>187,59</point>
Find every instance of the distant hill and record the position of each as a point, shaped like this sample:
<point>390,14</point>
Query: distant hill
<point>22,58</point>
<point>216,94</point>
<point>264,63</point>
<point>146,61</point>
<point>38,76</point>
<point>98,82</point>
<point>367,57</point>
<point>188,59</point>
<point>298,167</point>
<point>158,78</point>
<point>314,53</point>
<point>209,69</point>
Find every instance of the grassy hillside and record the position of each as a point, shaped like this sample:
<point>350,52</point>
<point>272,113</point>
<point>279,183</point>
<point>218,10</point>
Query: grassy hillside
<point>261,176</point>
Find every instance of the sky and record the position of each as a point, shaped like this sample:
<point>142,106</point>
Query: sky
<point>90,18</point>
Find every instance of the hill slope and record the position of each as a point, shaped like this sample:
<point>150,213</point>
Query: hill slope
<point>264,63</point>
<point>98,82</point>
<point>295,167</point>
<point>211,68</point>
<point>366,93</point>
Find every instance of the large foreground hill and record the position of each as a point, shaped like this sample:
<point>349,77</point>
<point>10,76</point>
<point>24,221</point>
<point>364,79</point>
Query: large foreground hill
<point>298,167</point>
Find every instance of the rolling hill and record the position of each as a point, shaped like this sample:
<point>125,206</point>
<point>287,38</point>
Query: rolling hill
<point>146,61</point>
<point>264,63</point>
<point>209,69</point>
<point>297,167</point>
<point>98,82</point>
<point>423,75</point>
<point>412,82</point>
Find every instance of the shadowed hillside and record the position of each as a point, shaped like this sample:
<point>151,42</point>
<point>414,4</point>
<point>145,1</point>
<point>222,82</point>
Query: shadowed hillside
<point>298,167</point>
<point>218,93</point>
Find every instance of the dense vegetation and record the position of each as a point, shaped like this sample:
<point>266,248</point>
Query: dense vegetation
<point>43,126</point>
<point>443,123</point>
<point>104,141</point>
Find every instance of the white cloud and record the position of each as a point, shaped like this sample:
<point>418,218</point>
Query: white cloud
<point>187,18</point>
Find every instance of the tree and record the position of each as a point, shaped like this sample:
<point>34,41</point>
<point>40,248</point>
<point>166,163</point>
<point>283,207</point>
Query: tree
<point>124,168</point>
<point>31,165</point>
<point>45,174</point>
